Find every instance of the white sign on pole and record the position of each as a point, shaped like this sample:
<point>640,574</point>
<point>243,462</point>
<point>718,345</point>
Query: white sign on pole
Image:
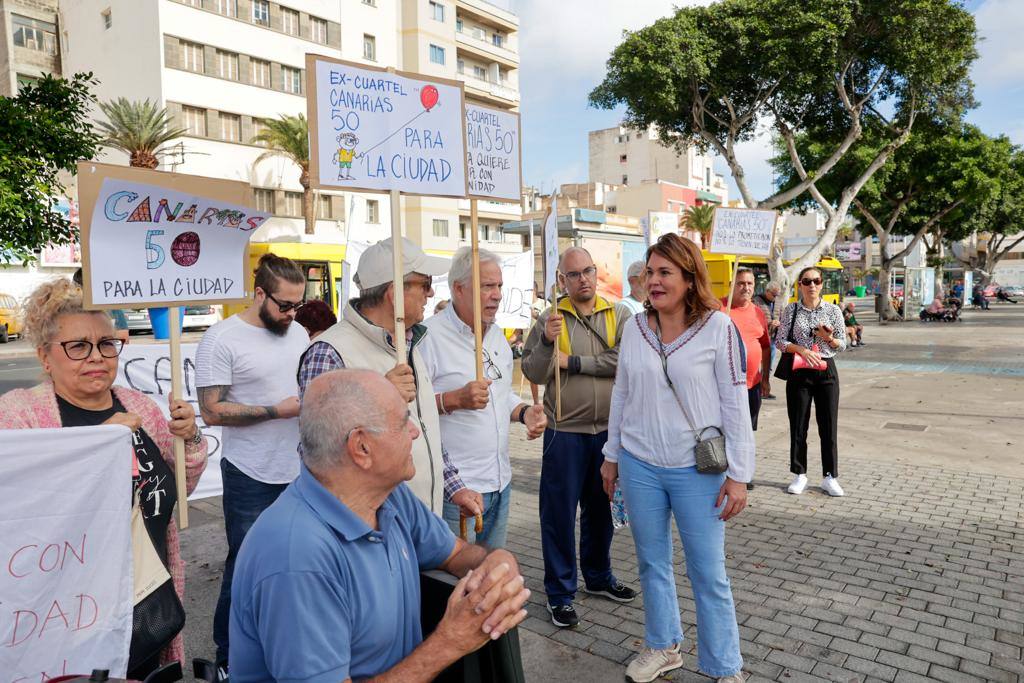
<point>661,223</point>
<point>743,231</point>
<point>65,546</point>
<point>378,130</point>
<point>147,368</point>
<point>493,153</point>
<point>516,292</point>
<point>550,242</point>
<point>153,245</point>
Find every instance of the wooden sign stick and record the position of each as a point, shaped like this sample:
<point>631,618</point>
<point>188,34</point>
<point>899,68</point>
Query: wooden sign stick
<point>176,391</point>
<point>478,325</point>
<point>558,361</point>
<point>396,246</point>
<point>732,284</point>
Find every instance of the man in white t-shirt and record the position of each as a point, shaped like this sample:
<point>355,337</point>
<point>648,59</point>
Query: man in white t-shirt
<point>633,302</point>
<point>476,415</point>
<point>245,378</point>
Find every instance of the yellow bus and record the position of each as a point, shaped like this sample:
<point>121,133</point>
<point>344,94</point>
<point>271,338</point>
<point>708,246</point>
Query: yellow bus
<point>321,263</point>
<point>720,268</point>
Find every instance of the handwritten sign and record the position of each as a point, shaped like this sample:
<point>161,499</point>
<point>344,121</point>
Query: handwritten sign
<point>493,153</point>
<point>163,239</point>
<point>147,368</point>
<point>65,552</point>
<point>743,231</point>
<point>372,129</point>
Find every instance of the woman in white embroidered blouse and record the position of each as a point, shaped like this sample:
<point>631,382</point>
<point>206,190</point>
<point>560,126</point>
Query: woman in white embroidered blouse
<point>650,451</point>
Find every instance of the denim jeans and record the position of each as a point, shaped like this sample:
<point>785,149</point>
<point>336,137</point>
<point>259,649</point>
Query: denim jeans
<point>653,496</point>
<point>495,531</point>
<point>244,499</point>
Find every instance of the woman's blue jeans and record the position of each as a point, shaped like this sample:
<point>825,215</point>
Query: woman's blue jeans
<point>653,496</point>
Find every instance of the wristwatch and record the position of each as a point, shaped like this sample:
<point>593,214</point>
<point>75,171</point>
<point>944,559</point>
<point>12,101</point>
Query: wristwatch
<point>196,439</point>
<point>522,413</point>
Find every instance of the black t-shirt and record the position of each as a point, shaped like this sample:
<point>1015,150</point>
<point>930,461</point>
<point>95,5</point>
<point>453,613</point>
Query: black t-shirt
<point>158,492</point>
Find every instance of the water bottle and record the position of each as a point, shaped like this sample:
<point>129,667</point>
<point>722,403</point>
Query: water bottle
<point>620,518</point>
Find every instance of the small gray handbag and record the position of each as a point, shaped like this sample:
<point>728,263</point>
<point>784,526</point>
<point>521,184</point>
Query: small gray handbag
<point>709,453</point>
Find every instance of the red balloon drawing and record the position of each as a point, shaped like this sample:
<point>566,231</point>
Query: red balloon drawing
<point>428,97</point>
<point>185,249</point>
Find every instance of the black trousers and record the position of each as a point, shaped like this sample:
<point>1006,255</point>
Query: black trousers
<point>820,387</point>
<point>754,399</point>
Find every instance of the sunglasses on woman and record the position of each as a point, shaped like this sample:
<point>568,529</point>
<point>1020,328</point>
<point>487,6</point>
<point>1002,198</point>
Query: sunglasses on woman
<point>808,281</point>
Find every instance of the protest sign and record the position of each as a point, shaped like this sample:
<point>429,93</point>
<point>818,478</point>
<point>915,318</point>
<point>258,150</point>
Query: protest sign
<point>549,240</point>
<point>379,130</point>
<point>743,231</point>
<point>493,153</point>
<point>661,223</point>
<point>65,552</point>
<point>151,238</point>
<point>516,292</point>
<point>147,368</point>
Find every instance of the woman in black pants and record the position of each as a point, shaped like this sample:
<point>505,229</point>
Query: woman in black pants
<point>814,329</point>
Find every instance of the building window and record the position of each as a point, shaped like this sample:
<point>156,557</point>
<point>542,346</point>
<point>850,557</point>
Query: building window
<point>290,21</point>
<point>228,8</point>
<point>459,24</point>
<point>622,158</point>
<point>437,54</point>
<point>192,57</point>
<point>318,30</point>
<point>264,200</point>
<point>292,80</point>
<point>108,19</point>
<point>324,208</point>
<point>261,12</point>
<point>498,40</point>
<point>372,211</point>
<point>440,227</point>
<point>707,177</point>
<point>194,3</point>
<point>230,127</point>
<point>480,72</point>
<point>26,81</point>
<point>462,231</point>
<point>461,66</point>
<point>625,180</point>
<point>195,120</point>
<point>227,65</point>
<point>259,126</point>
<point>292,203</point>
<point>437,11</point>
<point>34,34</point>
<point>260,72</point>
<point>369,47</point>
<point>371,3</point>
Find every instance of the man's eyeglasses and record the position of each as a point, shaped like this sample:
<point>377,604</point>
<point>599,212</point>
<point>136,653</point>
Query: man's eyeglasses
<point>808,281</point>
<point>285,306</point>
<point>491,370</point>
<point>575,275</point>
<point>80,349</point>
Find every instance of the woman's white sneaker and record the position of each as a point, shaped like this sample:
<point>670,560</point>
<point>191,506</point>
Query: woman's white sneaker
<point>798,485</point>
<point>830,485</point>
<point>651,663</point>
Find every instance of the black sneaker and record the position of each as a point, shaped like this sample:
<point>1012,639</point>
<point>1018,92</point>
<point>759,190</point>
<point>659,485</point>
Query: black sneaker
<point>564,616</point>
<point>750,487</point>
<point>616,591</point>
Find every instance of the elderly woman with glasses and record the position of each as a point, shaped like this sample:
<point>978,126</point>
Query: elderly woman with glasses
<point>813,331</point>
<point>78,351</point>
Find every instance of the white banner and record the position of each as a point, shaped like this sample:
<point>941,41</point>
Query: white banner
<point>375,130</point>
<point>743,231</point>
<point>661,223</point>
<point>65,550</point>
<point>493,153</point>
<point>147,368</point>
<point>550,242</point>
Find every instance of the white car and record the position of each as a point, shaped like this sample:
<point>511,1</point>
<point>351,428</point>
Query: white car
<point>200,317</point>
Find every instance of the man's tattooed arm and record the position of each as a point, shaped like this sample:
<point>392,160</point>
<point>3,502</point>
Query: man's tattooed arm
<point>218,412</point>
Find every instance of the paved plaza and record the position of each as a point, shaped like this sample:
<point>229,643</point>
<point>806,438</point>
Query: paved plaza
<point>918,574</point>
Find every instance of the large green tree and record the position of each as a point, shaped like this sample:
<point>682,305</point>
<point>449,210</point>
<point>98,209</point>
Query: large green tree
<point>1000,220</point>
<point>716,76</point>
<point>139,129</point>
<point>288,136</point>
<point>44,131</point>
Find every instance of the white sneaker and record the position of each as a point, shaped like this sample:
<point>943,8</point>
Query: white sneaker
<point>830,485</point>
<point>798,485</point>
<point>652,663</point>
<point>741,677</point>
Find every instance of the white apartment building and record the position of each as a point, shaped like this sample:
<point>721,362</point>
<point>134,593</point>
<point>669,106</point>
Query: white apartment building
<point>623,156</point>
<point>28,42</point>
<point>223,67</point>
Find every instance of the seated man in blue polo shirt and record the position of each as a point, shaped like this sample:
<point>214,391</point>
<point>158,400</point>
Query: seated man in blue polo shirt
<point>327,585</point>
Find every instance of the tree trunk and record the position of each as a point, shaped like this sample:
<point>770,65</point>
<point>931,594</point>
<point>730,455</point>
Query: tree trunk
<point>885,292</point>
<point>308,208</point>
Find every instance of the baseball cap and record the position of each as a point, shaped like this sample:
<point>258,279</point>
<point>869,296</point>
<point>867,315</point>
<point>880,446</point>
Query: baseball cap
<point>376,265</point>
<point>636,269</point>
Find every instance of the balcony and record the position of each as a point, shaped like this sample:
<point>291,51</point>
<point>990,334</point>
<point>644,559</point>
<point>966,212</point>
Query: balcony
<point>488,209</point>
<point>481,87</point>
<point>482,48</point>
<point>498,12</point>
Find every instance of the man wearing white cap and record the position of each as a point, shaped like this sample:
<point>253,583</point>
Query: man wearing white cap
<point>363,339</point>
<point>633,303</point>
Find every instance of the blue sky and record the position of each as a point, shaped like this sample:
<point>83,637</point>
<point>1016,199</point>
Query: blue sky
<point>564,45</point>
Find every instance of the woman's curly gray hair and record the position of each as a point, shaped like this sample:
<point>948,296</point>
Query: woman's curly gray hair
<point>45,306</point>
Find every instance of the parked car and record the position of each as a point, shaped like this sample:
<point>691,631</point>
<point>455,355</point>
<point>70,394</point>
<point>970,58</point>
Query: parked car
<point>990,291</point>
<point>1014,290</point>
<point>200,317</point>
<point>10,318</point>
<point>138,320</point>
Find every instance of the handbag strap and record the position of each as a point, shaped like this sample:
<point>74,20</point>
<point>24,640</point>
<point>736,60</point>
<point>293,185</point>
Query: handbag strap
<point>671,386</point>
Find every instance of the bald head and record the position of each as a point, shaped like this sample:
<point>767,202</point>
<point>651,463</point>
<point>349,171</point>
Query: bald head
<point>572,257</point>
<point>578,275</point>
<point>337,402</point>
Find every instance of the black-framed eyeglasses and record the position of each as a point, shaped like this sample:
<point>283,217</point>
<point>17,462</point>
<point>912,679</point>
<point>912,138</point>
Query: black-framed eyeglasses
<point>285,306</point>
<point>575,275</point>
<point>80,349</point>
<point>491,370</point>
<point>808,281</point>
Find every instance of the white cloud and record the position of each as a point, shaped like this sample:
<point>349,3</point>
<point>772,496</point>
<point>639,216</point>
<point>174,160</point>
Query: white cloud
<point>1000,25</point>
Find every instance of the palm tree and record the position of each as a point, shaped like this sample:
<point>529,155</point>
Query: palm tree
<point>700,218</point>
<point>139,129</point>
<point>288,136</point>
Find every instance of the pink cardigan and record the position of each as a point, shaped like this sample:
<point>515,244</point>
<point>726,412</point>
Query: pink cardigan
<point>37,408</point>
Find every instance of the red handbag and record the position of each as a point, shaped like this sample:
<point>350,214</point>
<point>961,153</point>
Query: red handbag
<point>800,364</point>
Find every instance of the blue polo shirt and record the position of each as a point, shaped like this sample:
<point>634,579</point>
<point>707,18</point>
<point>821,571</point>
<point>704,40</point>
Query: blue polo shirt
<point>318,595</point>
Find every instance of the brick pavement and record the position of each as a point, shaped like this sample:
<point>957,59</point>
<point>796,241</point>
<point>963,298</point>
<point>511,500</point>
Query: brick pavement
<point>915,575</point>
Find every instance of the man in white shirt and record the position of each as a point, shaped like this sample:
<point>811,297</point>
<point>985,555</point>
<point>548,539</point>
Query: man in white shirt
<point>245,379</point>
<point>476,415</point>
<point>633,303</point>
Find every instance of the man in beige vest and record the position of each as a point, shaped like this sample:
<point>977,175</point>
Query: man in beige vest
<point>363,339</point>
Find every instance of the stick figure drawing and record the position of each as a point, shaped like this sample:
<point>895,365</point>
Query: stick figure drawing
<point>346,153</point>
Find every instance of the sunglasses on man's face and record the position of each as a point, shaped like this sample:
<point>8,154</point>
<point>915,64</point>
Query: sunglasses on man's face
<point>284,306</point>
<point>808,281</point>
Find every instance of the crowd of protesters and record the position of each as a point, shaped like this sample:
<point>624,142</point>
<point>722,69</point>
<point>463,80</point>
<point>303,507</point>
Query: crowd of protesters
<point>347,470</point>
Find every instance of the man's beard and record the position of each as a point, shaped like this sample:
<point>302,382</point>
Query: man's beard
<point>278,327</point>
